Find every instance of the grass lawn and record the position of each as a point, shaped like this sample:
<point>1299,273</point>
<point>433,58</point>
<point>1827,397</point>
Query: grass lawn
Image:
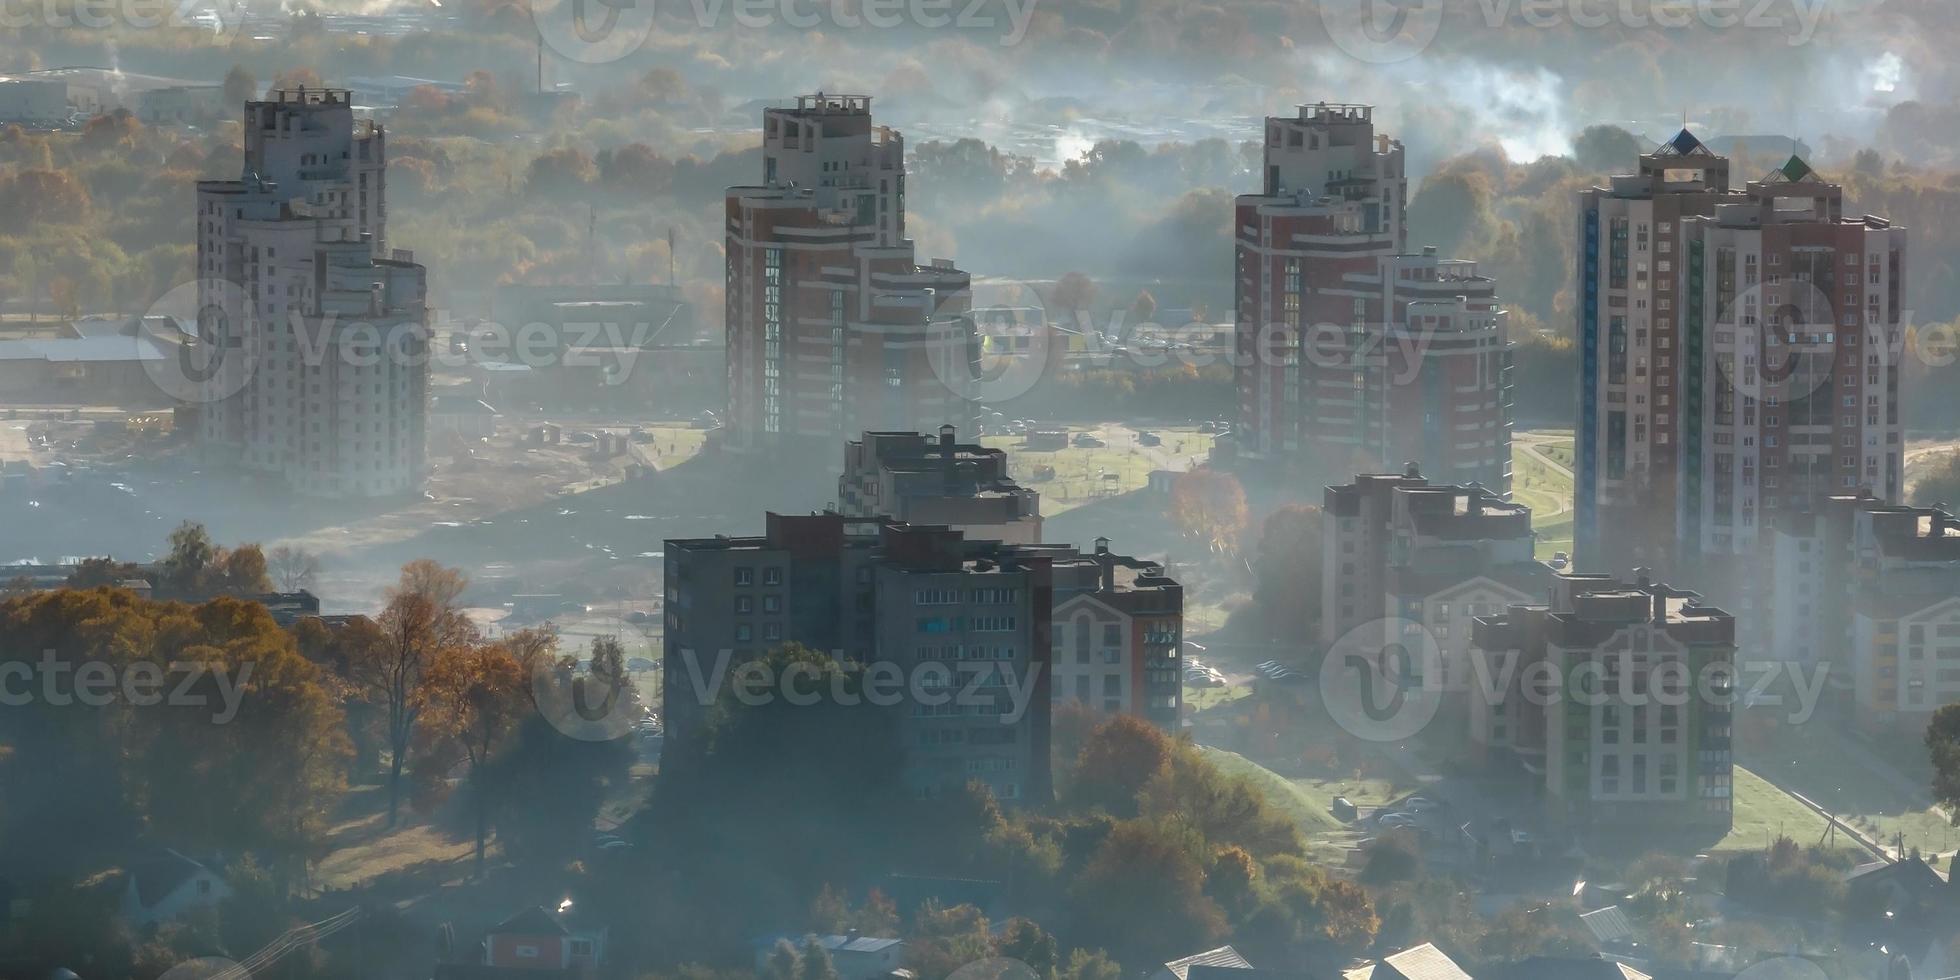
<point>1816,764</point>
<point>1360,792</point>
<point>1549,495</point>
<point>1565,453</point>
<point>1085,475</point>
<point>1200,698</point>
<point>1763,812</point>
<point>1308,810</point>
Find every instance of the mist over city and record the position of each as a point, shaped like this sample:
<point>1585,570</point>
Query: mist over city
<point>979,490</point>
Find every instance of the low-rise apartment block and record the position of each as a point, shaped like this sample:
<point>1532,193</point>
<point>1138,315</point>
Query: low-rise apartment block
<point>983,624</point>
<point>1871,592</point>
<point>1118,629</point>
<point>920,479</point>
<point>1618,697</point>
<point>1434,556</point>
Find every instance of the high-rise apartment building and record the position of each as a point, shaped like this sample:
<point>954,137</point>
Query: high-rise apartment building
<point>1619,696</point>
<point>919,479</point>
<point>1352,352</point>
<point>1739,353</point>
<point>320,331</point>
<point>1434,556</point>
<point>833,327</point>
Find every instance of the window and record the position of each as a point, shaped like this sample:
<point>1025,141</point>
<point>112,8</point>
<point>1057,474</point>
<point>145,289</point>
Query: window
<point>772,603</point>
<point>744,605</point>
<point>772,576</point>
<point>744,576</point>
<point>1112,635</point>
<point>744,633</point>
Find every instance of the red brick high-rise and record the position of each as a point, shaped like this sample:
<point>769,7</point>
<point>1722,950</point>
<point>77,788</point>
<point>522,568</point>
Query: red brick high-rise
<point>833,326</point>
<point>1352,352</point>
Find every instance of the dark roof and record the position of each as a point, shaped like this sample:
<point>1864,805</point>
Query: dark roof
<point>159,875</point>
<point>533,921</point>
<point>1684,143</point>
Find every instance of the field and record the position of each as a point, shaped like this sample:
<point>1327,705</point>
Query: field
<point>1084,475</point>
<point>1764,813</point>
<point>1537,482</point>
<point>1821,765</point>
<point>1309,809</point>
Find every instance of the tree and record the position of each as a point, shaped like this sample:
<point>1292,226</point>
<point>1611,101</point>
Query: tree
<point>240,571</point>
<point>1073,293</point>
<point>241,86</point>
<point>98,572</point>
<point>1940,483</point>
<point>294,569</point>
<point>815,963</point>
<point>294,79</point>
<point>190,556</point>
<point>1025,940</point>
<point>1943,745</point>
<point>946,938</point>
<point>1605,149</point>
<point>1223,810</point>
<point>1209,506</point>
<point>418,624</point>
<point>1119,759</point>
<point>472,699</point>
<point>549,789</point>
<point>1090,964</point>
<point>1142,894</point>
<point>1289,571</point>
<point>561,172</point>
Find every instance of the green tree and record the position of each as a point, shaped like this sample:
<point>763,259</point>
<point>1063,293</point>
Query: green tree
<point>815,963</point>
<point>1288,570</point>
<point>1606,149</point>
<point>1943,745</point>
